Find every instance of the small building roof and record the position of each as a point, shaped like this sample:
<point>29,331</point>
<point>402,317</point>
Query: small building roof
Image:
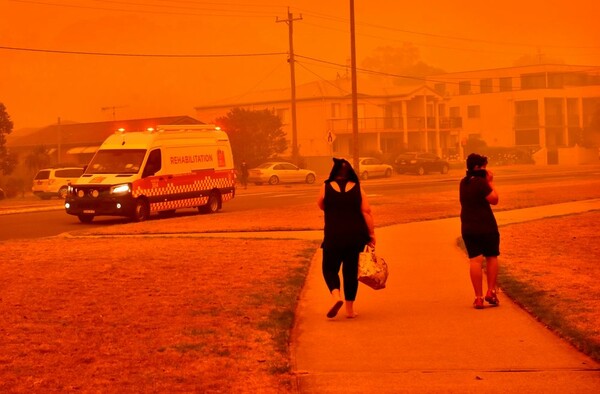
<point>91,133</point>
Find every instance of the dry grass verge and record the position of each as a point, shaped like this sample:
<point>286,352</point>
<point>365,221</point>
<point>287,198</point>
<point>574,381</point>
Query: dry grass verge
<point>175,315</point>
<point>550,267</point>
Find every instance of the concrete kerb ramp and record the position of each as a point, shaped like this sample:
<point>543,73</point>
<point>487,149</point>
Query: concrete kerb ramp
<point>421,334</point>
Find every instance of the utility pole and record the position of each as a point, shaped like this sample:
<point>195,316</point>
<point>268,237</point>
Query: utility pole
<point>355,150</point>
<point>59,138</point>
<point>290,21</point>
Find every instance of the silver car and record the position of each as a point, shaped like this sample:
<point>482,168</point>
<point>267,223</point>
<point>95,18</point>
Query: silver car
<point>370,167</point>
<point>275,172</point>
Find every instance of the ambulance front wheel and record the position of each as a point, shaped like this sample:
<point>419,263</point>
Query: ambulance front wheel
<point>142,210</point>
<point>85,218</point>
<point>213,204</point>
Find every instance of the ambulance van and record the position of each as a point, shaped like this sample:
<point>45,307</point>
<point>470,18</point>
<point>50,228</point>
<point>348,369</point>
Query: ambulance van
<point>135,174</point>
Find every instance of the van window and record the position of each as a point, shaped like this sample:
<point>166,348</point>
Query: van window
<point>116,161</point>
<point>44,174</point>
<point>69,173</point>
<point>153,165</point>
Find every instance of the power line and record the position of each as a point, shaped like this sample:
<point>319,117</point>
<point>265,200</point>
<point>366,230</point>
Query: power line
<point>142,54</point>
<point>228,9</point>
<point>469,39</point>
<point>421,79</point>
<point>251,89</point>
<point>228,12</point>
<point>210,12</point>
<point>191,56</point>
<point>420,44</point>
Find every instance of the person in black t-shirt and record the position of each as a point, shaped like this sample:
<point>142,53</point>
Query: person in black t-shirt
<point>348,228</point>
<point>479,229</point>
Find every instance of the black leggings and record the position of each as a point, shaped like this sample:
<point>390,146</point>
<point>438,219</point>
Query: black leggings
<point>332,260</point>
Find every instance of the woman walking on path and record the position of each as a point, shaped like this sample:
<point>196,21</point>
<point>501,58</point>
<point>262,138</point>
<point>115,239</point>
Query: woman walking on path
<point>348,228</point>
<point>479,228</point>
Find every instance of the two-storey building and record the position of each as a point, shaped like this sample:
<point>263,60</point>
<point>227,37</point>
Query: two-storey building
<point>545,108</point>
<point>540,108</point>
<point>390,118</point>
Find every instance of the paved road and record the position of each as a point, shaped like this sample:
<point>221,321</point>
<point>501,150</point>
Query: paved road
<point>47,218</point>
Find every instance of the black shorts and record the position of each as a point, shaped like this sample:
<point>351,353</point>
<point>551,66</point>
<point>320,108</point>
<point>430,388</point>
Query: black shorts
<point>487,245</point>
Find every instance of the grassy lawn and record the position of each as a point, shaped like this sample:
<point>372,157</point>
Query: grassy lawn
<point>550,267</point>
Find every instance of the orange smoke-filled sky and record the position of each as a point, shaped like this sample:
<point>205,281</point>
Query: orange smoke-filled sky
<point>228,49</point>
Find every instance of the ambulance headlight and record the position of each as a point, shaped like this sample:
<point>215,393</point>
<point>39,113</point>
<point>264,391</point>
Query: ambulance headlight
<point>121,189</point>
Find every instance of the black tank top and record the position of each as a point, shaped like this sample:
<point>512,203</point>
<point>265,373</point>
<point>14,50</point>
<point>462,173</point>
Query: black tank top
<point>345,225</point>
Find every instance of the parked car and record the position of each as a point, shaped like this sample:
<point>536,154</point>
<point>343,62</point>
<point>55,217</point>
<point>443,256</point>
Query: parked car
<point>275,172</point>
<point>420,163</point>
<point>53,182</point>
<point>371,167</point>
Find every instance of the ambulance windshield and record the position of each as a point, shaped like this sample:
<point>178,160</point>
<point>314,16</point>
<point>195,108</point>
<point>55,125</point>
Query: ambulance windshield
<point>116,161</point>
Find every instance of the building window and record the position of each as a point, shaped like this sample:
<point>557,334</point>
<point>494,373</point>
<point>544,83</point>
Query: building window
<point>454,111</point>
<point>573,112</point>
<point>473,112</point>
<point>485,85</point>
<point>533,81</point>
<point>441,110</point>
<point>526,114</point>
<point>464,87</point>
<point>335,110</point>
<point>440,88</point>
<point>506,84</point>
<point>555,80</point>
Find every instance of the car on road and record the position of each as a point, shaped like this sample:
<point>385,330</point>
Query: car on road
<point>370,167</point>
<point>54,182</point>
<point>275,172</point>
<point>420,163</point>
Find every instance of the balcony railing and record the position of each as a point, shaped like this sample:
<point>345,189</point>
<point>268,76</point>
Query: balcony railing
<point>413,123</point>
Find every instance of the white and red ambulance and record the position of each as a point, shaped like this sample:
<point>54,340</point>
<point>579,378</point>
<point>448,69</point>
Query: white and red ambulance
<point>159,170</point>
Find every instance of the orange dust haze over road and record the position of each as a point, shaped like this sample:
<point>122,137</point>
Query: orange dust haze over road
<point>92,60</point>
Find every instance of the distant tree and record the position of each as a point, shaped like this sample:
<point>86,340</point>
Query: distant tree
<point>8,161</point>
<point>255,136</point>
<point>404,61</point>
<point>38,158</point>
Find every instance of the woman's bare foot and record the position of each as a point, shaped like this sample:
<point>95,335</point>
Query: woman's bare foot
<point>350,314</point>
<point>334,309</point>
<point>337,303</point>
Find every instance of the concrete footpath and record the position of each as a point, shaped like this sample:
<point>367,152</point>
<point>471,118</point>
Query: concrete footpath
<point>422,335</point>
